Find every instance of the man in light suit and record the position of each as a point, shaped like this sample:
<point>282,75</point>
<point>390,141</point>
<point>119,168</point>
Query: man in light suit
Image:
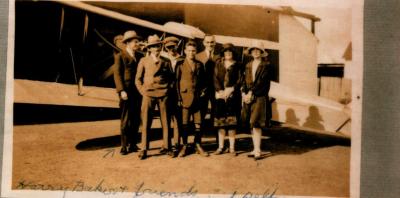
<point>191,87</point>
<point>208,57</point>
<point>153,79</point>
<point>125,65</point>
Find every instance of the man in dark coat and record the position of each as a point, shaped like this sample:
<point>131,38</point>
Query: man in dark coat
<point>208,57</point>
<point>154,79</point>
<point>125,65</point>
<point>191,87</point>
<point>174,111</point>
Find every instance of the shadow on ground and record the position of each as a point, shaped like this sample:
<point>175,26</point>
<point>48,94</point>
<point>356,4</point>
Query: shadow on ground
<point>47,114</point>
<point>277,140</point>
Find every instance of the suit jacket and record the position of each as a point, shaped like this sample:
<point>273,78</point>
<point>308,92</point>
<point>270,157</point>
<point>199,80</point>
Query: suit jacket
<point>178,59</point>
<point>261,84</point>
<point>173,94</point>
<point>209,65</point>
<point>125,68</point>
<point>153,79</point>
<point>202,57</point>
<point>190,83</point>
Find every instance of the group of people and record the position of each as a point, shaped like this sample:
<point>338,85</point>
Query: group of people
<point>182,87</point>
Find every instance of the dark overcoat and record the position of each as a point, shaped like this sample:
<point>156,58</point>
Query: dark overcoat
<point>256,113</point>
<point>125,67</point>
<point>227,112</point>
<point>209,65</point>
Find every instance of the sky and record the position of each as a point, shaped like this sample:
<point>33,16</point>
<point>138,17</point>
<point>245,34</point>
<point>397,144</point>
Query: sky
<point>333,32</point>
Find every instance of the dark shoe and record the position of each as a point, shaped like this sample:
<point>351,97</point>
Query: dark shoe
<point>257,156</point>
<point>251,154</point>
<point>123,151</point>
<point>171,154</point>
<point>163,150</point>
<point>133,148</point>
<point>219,151</point>
<point>199,150</point>
<point>143,155</point>
<point>174,151</point>
<point>182,152</point>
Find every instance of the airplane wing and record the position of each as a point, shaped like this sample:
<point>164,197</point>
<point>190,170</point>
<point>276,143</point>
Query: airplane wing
<point>292,107</point>
<point>39,92</point>
<point>175,28</point>
<point>168,27</point>
<point>245,42</point>
<point>184,29</point>
<point>300,109</point>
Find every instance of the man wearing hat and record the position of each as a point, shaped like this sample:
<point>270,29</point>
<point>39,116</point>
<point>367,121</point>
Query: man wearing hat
<point>171,53</point>
<point>208,57</point>
<point>171,50</point>
<point>255,89</point>
<point>125,65</point>
<point>153,79</point>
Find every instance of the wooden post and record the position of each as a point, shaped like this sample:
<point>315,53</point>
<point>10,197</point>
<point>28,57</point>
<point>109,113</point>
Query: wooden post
<point>313,26</point>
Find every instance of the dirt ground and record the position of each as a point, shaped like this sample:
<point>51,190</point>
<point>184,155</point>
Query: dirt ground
<point>81,155</point>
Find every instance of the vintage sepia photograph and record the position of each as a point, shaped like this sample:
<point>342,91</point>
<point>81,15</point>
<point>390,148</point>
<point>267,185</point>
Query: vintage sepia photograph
<point>183,99</point>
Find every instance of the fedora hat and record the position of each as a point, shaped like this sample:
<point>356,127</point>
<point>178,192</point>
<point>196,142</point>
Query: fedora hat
<point>256,45</point>
<point>171,40</point>
<point>153,40</point>
<point>129,35</point>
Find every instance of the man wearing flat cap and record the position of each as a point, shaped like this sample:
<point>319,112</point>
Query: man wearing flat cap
<point>171,53</point>
<point>153,79</point>
<point>171,50</point>
<point>125,66</point>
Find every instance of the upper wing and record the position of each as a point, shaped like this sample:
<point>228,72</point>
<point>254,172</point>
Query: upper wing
<point>172,27</point>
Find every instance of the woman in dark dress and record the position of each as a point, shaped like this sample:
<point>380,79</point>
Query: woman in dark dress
<point>227,94</point>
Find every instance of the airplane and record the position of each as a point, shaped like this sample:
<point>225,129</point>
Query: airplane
<point>289,105</point>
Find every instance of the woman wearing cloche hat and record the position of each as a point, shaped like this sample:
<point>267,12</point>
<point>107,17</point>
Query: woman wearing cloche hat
<point>227,94</point>
<point>255,88</point>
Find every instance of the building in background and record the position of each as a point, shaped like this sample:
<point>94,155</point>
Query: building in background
<point>334,50</point>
